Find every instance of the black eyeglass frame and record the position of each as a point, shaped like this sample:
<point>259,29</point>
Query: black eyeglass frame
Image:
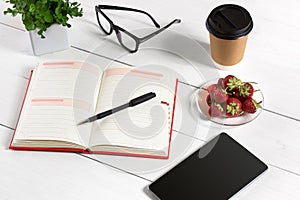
<point>118,29</point>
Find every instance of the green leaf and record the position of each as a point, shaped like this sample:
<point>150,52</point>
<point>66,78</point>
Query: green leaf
<point>29,25</point>
<point>31,8</point>
<point>14,13</point>
<point>28,2</point>
<point>9,10</point>
<point>38,6</point>
<point>22,4</point>
<point>48,17</point>
<point>57,10</point>
<point>40,32</point>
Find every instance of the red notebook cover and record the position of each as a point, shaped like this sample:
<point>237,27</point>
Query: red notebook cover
<point>85,150</point>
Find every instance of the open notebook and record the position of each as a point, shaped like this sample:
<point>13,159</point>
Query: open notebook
<point>61,94</point>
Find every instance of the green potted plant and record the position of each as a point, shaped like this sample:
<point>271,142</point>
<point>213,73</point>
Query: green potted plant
<point>46,21</point>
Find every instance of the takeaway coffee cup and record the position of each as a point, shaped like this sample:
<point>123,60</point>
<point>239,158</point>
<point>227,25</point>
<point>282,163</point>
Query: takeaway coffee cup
<point>228,26</point>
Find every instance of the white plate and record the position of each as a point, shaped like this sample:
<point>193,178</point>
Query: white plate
<point>200,100</point>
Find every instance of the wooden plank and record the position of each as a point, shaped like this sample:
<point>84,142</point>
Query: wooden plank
<point>12,89</point>
<point>5,135</point>
<point>273,184</point>
<point>8,20</point>
<point>15,56</point>
<point>67,172</point>
<point>273,138</point>
<point>50,175</point>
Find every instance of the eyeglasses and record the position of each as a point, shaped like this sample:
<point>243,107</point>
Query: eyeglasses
<point>128,40</point>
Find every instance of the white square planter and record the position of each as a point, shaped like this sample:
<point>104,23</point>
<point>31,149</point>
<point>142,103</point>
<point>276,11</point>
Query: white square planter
<point>56,40</point>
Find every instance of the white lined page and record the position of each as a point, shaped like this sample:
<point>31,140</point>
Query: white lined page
<point>133,127</point>
<point>60,94</point>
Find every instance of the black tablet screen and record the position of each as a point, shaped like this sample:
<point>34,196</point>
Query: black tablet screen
<point>217,170</point>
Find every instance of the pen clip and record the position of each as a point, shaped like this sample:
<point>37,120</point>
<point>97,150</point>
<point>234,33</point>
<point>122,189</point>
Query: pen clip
<point>141,99</point>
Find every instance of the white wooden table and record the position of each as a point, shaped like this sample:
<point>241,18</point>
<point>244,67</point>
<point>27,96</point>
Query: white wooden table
<point>271,59</point>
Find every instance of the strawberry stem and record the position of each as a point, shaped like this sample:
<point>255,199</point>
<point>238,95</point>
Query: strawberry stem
<point>250,82</point>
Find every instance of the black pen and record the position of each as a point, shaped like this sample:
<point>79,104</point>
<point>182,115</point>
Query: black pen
<point>131,103</point>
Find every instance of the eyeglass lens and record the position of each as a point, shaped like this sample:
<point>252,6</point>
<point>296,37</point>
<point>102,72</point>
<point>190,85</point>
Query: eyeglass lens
<point>127,41</point>
<point>104,23</point>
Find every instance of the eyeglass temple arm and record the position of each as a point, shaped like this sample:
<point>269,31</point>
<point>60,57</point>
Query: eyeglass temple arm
<point>160,30</point>
<point>129,9</point>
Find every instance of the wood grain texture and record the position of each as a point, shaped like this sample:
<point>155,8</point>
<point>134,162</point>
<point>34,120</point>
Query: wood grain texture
<point>271,59</point>
<point>50,175</point>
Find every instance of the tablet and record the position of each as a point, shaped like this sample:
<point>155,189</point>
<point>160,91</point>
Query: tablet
<point>217,170</point>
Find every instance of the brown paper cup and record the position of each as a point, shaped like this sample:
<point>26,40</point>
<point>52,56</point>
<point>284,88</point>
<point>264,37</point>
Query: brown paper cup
<point>228,26</point>
<point>227,52</point>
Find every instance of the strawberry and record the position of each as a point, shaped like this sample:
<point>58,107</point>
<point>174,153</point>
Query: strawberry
<point>219,95</point>
<point>250,105</point>
<point>220,83</point>
<point>246,90</point>
<point>211,88</point>
<point>238,96</point>
<point>231,82</point>
<point>216,110</point>
<point>226,79</point>
<point>233,107</point>
<point>208,100</point>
